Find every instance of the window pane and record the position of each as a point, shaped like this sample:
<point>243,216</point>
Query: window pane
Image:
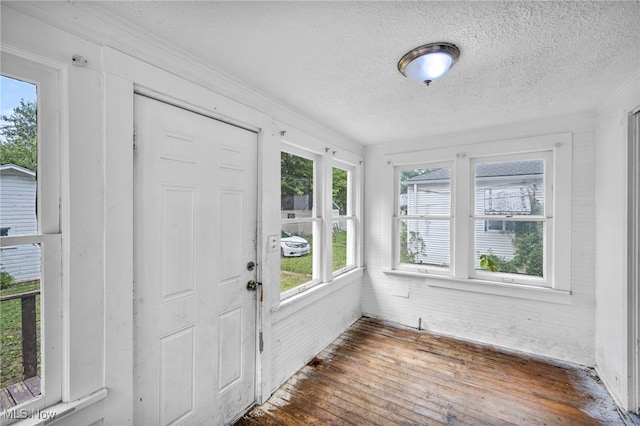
<point>517,250</point>
<point>343,244</point>
<point>340,194</point>
<point>342,228</point>
<point>296,250</point>
<point>339,241</point>
<point>296,186</point>
<point>18,158</point>
<point>20,317</point>
<point>499,225</point>
<point>425,191</point>
<point>509,188</point>
<point>425,242</point>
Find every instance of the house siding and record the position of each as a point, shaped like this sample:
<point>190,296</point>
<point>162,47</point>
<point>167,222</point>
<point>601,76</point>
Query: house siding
<point>17,212</point>
<point>499,243</point>
<point>434,198</point>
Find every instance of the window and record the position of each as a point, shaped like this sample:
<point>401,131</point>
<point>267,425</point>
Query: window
<point>424,218</point>
<point>319,218</point>
<point>30,227</point>
<point>343,220</point>
<point>300,221</point>
<point>497,212</point>
<point>509,197</point>
<point>498,225</point>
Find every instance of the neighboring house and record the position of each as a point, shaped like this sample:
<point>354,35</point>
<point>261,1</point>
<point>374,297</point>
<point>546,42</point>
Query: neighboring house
<point>18,217</point>
<point>502,188</point>
<point>296,206</point>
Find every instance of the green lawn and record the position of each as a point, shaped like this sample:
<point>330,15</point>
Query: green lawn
<point>11,333</point>
<point>339,250</point>
<point>298,270</point>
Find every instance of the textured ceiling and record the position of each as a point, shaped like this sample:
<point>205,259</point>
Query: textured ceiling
<point>335,62</point>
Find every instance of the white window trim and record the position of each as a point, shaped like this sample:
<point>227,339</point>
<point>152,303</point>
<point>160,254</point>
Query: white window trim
<point>324,161</point>
<point>460,278</point>
<point>315,220</point>
<point>547,218</point>
<point>351,216</point>
<point>428,269</point>
<point>48,81</point>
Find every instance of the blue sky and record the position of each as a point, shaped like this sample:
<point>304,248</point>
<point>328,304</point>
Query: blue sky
<point>11,91</point>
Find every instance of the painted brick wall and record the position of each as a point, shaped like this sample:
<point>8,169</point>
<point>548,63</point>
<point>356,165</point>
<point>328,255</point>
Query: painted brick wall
<point>299,335</point>
<point>563,331</point>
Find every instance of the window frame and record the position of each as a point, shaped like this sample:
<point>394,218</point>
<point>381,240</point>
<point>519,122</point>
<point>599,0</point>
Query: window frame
<point>325,159</point>
<point>49,232</point>
<point>399,217</point>
<point>557,284</point>
<point>350,217</point>
<point>315,220</point>
<point>546,219</point>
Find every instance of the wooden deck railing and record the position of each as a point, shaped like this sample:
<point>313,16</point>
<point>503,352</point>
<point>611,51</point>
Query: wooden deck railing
<point>29,331</point>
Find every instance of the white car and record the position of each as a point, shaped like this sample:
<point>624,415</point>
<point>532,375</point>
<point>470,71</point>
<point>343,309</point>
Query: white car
<point>292,245</point>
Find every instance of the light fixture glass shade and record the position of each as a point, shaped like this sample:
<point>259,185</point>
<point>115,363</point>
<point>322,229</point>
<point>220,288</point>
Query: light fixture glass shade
<point>428,63</point>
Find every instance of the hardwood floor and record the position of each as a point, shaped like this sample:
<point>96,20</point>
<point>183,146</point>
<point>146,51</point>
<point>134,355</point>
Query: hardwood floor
<point>379,374</point>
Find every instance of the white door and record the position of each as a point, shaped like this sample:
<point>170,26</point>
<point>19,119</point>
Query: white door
<point>195,233</point>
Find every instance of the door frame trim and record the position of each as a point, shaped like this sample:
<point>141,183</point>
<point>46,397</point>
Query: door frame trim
<point>633,259</point>
<point>187,106</point>
<point>259,133</point>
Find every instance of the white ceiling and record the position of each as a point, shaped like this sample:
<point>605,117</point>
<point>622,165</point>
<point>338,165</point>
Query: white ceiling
<point>335,62</point>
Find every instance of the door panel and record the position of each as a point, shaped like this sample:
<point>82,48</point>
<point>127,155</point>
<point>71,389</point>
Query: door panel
<point>195,231</point>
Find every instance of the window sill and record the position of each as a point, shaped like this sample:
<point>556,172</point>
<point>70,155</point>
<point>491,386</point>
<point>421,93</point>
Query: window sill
<point>519,291</point>
<point>298,302</point>
<point>49,415</point>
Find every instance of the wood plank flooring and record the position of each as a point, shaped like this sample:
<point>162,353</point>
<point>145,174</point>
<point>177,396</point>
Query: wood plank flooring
<point>380,374</point>
<point>20,392</point>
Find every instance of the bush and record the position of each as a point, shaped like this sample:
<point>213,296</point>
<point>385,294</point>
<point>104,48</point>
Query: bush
<point>6,280</point>
<point>495,263</point>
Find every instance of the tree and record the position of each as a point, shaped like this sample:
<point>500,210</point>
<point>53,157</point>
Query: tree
<point>412,245</point>
<point>340,189</point>
<point>528,243</point>
<point>296,175</point>
<point>18,136</point>
<point>528,240</point>
<point>297,179</point>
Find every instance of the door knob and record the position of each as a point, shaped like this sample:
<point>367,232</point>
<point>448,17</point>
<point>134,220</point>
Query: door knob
<point>253,285</point>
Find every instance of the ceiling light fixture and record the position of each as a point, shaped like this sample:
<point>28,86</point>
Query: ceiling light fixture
<point>428,63</point>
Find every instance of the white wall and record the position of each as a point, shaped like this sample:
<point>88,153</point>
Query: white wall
<point>302,328</point>
<point>560,330</point>
<point>611,238</point>
<point>97,128</point>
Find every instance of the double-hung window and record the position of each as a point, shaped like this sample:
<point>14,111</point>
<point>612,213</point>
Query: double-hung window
<point>31,292</point>
<point>343,219</point>
<point>319,217</point>
<point>424,217</point>
<point>301,221</point>
<point>493,213</point>
<point>511,218</point>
